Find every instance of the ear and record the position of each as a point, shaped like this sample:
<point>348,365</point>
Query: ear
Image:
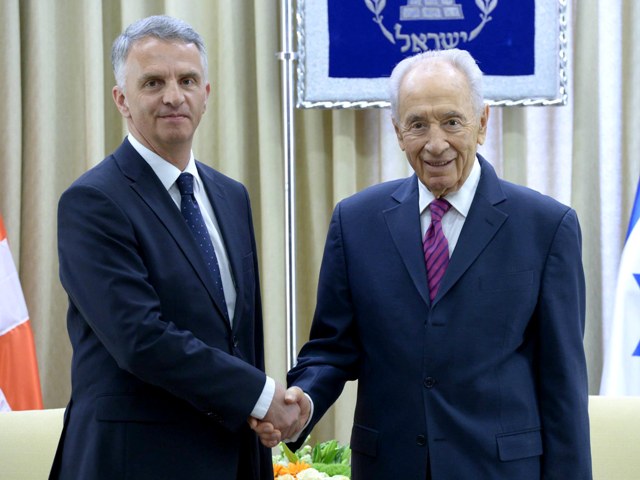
<point>207,89</point>
<point>398,135</point>
<point>120,100</point>
<point>484,121</point>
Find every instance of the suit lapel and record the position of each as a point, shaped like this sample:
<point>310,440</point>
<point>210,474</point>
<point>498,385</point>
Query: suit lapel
<point>482,223</point>
<point>403,221</point>
<point>151,191</point>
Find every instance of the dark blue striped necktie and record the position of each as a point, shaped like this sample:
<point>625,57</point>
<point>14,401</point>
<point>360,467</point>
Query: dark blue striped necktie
<point>191,213</point>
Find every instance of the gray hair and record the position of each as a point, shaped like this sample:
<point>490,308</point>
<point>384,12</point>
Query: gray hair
<point>160,26</point>
<point>460,59</point>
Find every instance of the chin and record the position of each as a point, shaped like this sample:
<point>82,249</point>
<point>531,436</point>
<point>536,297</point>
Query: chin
<point>438,189</point>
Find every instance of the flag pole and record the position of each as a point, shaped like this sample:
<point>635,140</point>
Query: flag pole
<point>287,58</point>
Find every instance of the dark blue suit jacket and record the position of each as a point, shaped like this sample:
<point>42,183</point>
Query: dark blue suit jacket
<point>162,386</point>
<point>488,381</point>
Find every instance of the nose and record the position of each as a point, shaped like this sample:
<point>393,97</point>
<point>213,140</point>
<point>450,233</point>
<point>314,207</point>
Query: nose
<point>173,94</point>
<point>436,143</point>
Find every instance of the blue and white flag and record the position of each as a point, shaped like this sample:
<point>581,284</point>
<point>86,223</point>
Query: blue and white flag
<point>621,372</point>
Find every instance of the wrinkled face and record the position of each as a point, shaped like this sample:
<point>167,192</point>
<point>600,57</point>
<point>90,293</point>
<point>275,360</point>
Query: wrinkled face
<point>165,94</point>
<point>437,126</point>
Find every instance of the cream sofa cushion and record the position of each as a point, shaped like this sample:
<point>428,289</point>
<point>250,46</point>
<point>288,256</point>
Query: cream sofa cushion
<point>28,441</point>
<point>615,437</point>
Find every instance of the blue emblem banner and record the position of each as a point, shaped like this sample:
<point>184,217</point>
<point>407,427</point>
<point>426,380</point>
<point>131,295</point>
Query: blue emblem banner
<point>500,39</point>
<point>349,47</point>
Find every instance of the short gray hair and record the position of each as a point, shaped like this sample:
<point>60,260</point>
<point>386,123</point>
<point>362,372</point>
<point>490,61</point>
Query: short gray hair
<point>160,26</point>
<point>460,59</point>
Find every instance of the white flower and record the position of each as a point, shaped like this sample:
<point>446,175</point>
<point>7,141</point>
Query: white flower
<point>311,474</point>
<point>338,477</point>
<point>286,476</point>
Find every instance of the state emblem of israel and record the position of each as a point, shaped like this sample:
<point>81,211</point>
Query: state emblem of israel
<point>428,11</point>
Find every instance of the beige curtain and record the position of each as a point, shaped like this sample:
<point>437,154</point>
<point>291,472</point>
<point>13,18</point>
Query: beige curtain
<point>57,120</point>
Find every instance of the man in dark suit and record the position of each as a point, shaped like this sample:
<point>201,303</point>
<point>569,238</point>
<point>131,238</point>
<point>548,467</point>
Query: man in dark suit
<point>461,319</point>
<point>158,257</point>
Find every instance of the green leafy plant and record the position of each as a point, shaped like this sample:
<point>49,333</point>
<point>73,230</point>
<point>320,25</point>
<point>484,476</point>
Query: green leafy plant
<point>329,459</point>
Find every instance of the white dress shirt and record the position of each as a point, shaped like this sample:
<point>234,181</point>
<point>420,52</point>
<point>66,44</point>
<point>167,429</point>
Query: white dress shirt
<point>460,201</point>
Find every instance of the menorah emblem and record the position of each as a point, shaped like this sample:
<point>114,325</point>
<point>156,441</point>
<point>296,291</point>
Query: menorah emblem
<point>431,10</point>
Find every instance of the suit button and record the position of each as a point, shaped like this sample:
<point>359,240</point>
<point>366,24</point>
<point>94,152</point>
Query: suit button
<point>235,341</point>
<point>421,440</point>
<point>429,382</point>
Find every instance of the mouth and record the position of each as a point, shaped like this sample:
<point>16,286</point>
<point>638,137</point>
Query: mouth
<point>438,163</point>
<point>173,116</point>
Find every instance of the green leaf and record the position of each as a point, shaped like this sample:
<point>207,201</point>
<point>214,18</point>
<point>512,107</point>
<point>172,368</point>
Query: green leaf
<point>345,455</point>
<point>333,469</point>
<point>292,457</point>
<point>331,452</point>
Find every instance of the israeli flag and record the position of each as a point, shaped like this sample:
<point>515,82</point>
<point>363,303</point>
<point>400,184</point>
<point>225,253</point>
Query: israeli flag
<point>621,372</point>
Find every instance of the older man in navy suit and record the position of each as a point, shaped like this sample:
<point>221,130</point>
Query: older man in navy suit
<point>456,300</point>
<point>158,257</point>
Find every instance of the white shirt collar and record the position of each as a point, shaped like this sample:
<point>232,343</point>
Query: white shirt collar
<point>166,172</point>
<point>461,199</point>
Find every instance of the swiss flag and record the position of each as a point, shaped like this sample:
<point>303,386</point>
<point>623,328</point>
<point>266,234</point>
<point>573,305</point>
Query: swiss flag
<point>19,380</point>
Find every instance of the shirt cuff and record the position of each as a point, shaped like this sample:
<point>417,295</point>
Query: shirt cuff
<point>264,401</point>
<point>297,435</point>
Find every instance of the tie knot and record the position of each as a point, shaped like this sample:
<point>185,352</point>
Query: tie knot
<point>438,208</point>
<point>185,184</point>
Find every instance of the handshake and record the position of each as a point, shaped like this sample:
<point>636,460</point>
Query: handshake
<point>286,417</point>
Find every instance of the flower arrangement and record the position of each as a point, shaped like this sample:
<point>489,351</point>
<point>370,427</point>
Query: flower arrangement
<point>326,461</point>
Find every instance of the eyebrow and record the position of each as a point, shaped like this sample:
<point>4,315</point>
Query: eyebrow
<point>454,113</point>
<point>148,76</point>
<point>415,117</point>
<point>191,73</point>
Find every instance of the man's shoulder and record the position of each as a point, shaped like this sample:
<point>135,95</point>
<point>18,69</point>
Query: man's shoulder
<point>99,175</point>
<point>108,176</point>
<point>531,207</point>
<point>530,199</point>
<point>509,195</point>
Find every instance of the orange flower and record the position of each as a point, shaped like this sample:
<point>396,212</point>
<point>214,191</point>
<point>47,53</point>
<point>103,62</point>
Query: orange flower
<point>294,468</point>
<point>279,469</point>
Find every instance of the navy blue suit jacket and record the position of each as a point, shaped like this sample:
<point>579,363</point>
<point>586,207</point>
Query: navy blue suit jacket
<point>162,386</point>
<point>488,381</point>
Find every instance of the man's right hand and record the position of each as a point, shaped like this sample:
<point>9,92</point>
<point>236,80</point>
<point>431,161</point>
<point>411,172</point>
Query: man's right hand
<point>283,415</point>
<point>288,413</point>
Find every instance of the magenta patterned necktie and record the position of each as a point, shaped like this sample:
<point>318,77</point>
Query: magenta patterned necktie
<point>436,247</point>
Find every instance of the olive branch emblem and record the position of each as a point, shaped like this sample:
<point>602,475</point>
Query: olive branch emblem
<point>486,7</point>
<point>376,7</point>
<point>419,43</point>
